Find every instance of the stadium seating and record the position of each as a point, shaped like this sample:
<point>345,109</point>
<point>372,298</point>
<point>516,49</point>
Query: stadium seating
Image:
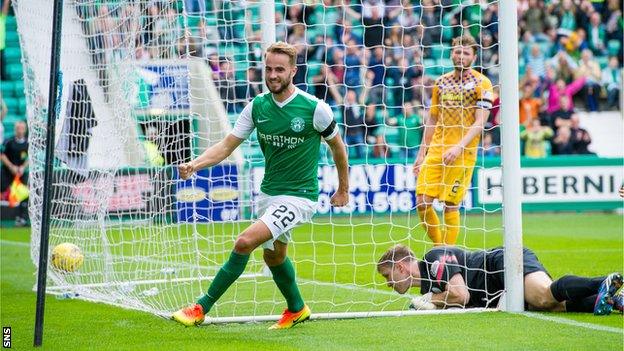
<point>13,88</point>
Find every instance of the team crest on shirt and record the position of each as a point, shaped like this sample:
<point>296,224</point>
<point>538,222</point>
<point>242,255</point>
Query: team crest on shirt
<point>297,124</point>
<point>469,85</point>
<point>433,269</point>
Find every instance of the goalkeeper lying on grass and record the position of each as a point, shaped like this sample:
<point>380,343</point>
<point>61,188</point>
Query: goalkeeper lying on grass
<point>452,277</point>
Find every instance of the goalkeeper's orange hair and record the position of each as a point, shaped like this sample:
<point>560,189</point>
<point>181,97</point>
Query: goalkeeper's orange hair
<point>397,253</point>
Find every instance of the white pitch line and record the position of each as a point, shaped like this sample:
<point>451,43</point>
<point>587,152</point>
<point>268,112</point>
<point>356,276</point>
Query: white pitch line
<point>14,243</point>
<point>573,323</point>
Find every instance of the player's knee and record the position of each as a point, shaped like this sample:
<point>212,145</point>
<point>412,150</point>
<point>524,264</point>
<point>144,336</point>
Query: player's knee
<point>273,258</point>
<point>543,302</point>
<point>243,245</point>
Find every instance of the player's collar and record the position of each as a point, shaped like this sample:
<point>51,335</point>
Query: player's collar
<point>463,75</point>
<point>285,102</point>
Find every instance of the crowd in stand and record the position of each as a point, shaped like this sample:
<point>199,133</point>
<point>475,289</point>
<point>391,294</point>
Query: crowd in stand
<point>374,61</point>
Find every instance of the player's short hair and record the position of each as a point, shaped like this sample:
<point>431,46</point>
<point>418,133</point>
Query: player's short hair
<point>465,40</point>
<point>397,253</point>
<point>283,48</point>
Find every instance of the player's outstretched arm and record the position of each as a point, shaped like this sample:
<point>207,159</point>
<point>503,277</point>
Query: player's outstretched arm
<point>211,156</point>
<point>456,294</point>
<point>339,153</point>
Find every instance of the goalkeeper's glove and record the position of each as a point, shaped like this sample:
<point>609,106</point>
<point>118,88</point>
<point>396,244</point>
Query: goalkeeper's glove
<point>422,303</point>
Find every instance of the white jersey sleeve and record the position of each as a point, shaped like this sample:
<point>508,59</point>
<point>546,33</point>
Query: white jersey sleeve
<point>324,120</point>
<point>244,124</point>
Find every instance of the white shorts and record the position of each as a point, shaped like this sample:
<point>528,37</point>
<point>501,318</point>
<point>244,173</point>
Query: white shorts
<point>282,213</point>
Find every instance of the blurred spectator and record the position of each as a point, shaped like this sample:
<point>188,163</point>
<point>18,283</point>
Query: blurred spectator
<point>580,138</point>
<point>338,67</point>
<point>401,87</point>
<point>281,29</point>
<point>393,40</point>
<point>612,82</point>
<point>214,64</point>
<point>488,147</point>
<point>299,80</point>
<point>559,88</point>
<point>431,20</point>
<point>3,15</point>
<point>353,63</point>
<point>14,157</point>
<point>297,35</point>
<point>189,46</point>
<point>410,131</point>
<point>226,84</point>
<point>529,105</point>
<point>252,86</point>
<point>3,112</point>
<point>535,138</point>
<point>167,30</point>
<point>535,61</point>
<point>562,143</point>
<point>372,123</point>
<point>373,13</point>
<point>373,119</point>
<point>423,89</point>
<point>535,20</point>
<point>564,66</point>
<point>208,37</point>
<point>195,7</point>
<point>141,53</point>
<point>591,70</point>
<point>377,68</point>
<point>324,85</point>
<point>408,19</point>
<point>148,26</point>
<point>613,16</point>
<point>597,35</point>
<point>572,44</point>
<point>489,58</point>
<point>563,116</point>
<point>355,129</point>
<point>567,15</point>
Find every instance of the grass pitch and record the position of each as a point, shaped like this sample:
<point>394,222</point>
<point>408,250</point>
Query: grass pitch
<point>581,244</point>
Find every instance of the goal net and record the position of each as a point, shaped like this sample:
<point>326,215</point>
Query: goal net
<point>146,85</point>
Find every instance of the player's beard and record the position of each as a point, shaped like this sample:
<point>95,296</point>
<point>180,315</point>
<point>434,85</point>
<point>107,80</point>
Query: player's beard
<point>460,67</point>
<point>282,86</point>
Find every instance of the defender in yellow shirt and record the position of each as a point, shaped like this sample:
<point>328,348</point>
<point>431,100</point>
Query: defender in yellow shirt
<point>460,107</point>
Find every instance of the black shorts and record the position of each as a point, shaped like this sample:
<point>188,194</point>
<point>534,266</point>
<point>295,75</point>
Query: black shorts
<point>531,263</point>
<point>495,282</point>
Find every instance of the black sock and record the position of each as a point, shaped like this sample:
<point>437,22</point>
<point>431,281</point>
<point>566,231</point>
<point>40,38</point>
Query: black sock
<point>571,287</point>
<point>581,305</point>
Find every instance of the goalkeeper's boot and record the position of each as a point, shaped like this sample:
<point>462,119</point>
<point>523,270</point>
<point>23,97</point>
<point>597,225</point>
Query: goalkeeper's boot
<point>608,289</point>
<point>289,319</point>
<point>189,316</point>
